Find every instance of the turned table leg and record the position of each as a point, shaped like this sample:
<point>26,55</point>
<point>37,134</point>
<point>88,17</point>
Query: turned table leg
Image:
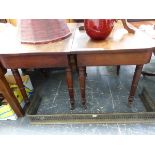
<point>21,86</point>
<point>82,81</point>
<point>9,96</point>
<point>135,80</point>
<point>69,79</point>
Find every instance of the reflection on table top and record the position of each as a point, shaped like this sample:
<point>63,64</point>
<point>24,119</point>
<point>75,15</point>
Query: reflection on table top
<point>119,39</point>
<point>146,26</point>
<point>10,43</point>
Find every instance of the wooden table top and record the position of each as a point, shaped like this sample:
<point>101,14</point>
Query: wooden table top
<point>146,26</point>
<point>139,23</point>
<point>10,43</point>
<point>119,39</point>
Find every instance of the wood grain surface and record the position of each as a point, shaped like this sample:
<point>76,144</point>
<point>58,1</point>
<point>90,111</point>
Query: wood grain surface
<point>119,39</point>
<point>10,42</point>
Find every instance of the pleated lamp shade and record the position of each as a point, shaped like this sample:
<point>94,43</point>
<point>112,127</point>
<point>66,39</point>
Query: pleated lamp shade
<point>37,31</point>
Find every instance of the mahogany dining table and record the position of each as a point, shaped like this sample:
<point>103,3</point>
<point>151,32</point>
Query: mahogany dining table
<point>120,48</point>
<point>14,55</point>
<point>148,26</point>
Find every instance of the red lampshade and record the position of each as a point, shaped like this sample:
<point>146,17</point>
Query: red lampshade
<point>35,31</point>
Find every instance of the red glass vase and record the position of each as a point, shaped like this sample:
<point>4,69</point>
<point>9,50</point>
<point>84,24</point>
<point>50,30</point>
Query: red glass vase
<point>98,29</point>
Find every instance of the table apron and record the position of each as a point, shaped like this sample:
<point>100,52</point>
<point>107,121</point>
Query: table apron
<point>101,59</point>
<point>34,61</point>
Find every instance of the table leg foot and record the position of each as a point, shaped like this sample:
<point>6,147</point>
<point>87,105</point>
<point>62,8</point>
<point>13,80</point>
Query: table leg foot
<point>72,107</point>
<point>135,81</point>
<point>84,105</point>
<point>72,104</point>
<point>130,101</point>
